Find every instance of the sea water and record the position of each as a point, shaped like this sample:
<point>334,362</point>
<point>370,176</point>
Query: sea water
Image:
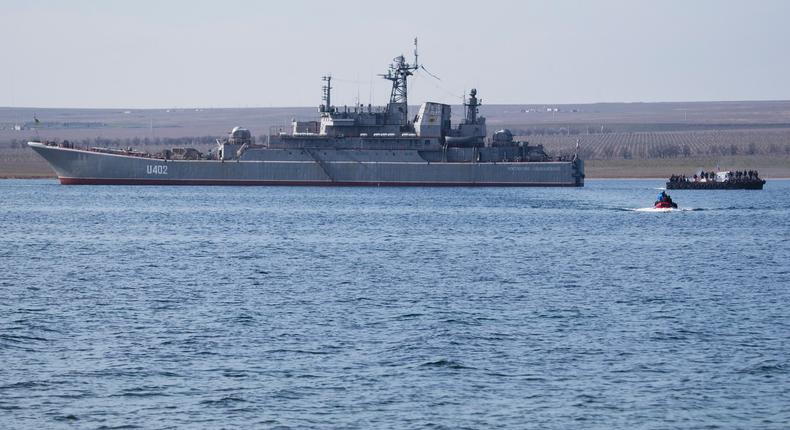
<point>283,307</point>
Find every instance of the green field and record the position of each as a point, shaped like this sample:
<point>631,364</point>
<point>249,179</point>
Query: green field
<point>768,167</point>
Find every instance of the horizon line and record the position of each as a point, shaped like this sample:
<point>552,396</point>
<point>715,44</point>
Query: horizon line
<point>487,104</point>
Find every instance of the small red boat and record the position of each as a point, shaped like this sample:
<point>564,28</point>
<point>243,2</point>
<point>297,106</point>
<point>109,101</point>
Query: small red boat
<point>663,201</point>
<point>665,205</point>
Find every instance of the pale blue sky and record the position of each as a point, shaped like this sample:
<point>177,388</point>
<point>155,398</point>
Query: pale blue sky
<point>236,53</point>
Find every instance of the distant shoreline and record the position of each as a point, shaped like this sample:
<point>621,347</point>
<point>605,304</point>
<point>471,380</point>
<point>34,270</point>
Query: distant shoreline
<point>616,140</point>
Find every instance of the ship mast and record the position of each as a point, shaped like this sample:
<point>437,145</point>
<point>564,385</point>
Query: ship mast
<point>327,96</point>
<point>472,107</point>
<point>398,73</point>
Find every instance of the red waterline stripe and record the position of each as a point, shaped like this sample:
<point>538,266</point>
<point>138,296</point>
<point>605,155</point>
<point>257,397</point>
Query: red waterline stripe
<point>113,181</point>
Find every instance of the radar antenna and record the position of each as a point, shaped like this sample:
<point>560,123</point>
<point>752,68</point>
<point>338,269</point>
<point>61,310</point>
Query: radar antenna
<point>416,63</point>
<point>398,73</point>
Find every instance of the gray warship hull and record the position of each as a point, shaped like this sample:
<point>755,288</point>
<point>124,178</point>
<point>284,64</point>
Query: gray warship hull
<point>335,167</point>
<point>362,145</point>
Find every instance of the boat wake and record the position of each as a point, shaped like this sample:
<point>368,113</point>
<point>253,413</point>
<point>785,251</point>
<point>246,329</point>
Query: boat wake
<point>652,209</point>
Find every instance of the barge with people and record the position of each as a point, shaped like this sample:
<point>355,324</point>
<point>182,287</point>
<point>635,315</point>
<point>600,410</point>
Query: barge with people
<point>721,180</point>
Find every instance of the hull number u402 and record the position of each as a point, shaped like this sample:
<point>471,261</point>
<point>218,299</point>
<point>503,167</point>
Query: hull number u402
<point>156,169</point>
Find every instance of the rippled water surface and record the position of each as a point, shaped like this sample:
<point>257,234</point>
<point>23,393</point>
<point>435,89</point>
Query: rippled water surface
<point>178,307</point>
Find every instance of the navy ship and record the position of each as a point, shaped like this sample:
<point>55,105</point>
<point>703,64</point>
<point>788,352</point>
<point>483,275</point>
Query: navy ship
<point>362,145</point>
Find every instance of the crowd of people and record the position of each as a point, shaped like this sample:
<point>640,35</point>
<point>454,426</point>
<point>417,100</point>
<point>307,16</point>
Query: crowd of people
<point>737,176</point>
